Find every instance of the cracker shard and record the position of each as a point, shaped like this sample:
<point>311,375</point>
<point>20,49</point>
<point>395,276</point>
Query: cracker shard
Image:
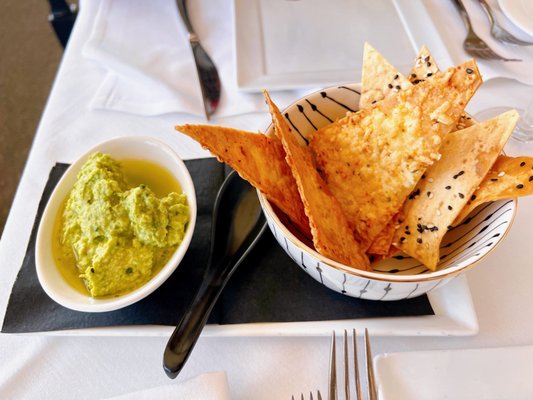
<point>379,78</point>
<point>372,159</point>
<point>258,159</point>
<point>467,156</point>
<point>509,177</point>
<point>332,236</point>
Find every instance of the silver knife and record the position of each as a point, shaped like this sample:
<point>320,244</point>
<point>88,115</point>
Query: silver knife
<point>207,71</point>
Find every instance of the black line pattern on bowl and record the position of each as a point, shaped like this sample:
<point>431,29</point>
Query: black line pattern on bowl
<point>325,95</point>
<point>315,109</point>
<point>363,290</point>
<point>412,291</point>
<point>288,118</point>
<point>301,109</point>
<point>387,289</point>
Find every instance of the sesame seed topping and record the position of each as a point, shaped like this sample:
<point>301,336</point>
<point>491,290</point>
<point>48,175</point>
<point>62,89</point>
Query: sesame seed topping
<point>430,195</point>
<point>462,196</point>
<point>396,76</point>
<point>493,179</point>
<point>502,173</point>
<point>519,186</point>
<point>402,239</point>
<point>448,187</point>
<point>450,208</point>
<point>423,176</point>
<point>390,85</point>
<point>458,174</point>
<point>419,240</point>
<point>531,178</point>
<point>413,75</point>
<point>474,196</point>
<point>522,163</point>
<point>429,74</point>
<point>398,87</point>
<point>450,227</point>
<point>469,71</point>
<point>439,213</point>
<point>416,81</point>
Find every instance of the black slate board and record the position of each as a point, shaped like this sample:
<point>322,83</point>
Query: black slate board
<point>267,287</point>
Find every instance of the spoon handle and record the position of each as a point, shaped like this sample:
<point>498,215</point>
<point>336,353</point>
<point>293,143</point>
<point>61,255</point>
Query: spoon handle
<point>190,327</point>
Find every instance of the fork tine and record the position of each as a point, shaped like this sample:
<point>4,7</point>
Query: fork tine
<point>358,393</point>
<point>372,395</point>
<point>310,395</point>
<point>346,368</point>
<point>332,371</point>
<point>318,395</point>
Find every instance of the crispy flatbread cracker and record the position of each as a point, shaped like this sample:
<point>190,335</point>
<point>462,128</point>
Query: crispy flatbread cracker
<point>372,159</point>
<point>379,78</point>
<point>258,159</point>
<point>467,156</point>
<point>383,241</point>
<point>425,66</point>
<point>509,177</point>
<point>332,235</point>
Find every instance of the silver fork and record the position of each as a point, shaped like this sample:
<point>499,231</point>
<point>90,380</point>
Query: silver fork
<point>473,44</point>
<point>333,387</point>
<point>497,31</point>
<point>318,396</point>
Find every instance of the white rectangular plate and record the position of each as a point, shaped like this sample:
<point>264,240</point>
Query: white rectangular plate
<point>287,44</point>
<point>452,304</point>
<point>502,373</point>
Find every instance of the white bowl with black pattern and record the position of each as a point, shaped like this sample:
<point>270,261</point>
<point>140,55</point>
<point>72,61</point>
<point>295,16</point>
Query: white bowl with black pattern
<point>401,276</point>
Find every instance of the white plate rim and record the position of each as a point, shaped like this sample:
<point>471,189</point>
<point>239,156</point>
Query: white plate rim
<point>452,303</point>
<point>248,58</point>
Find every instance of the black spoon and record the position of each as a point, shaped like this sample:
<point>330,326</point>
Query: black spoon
<point>238,222</point>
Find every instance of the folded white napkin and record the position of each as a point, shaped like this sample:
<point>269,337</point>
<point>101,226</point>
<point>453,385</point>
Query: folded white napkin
<point>521,71</point>
<point>211,386</point>
<point>144,46</point>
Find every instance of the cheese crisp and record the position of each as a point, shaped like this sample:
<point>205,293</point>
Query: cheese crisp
<point>332,236</point>
<point>372,159</point>
<point>446,186</point>
<point>379,78</point>
<point>258,159</point>
<point>509,177</point>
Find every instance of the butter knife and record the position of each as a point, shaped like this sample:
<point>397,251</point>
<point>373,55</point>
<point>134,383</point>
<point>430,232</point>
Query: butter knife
<point>207,71</point>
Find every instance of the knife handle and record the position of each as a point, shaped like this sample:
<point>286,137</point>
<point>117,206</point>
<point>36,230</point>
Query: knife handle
<point>182,7</point>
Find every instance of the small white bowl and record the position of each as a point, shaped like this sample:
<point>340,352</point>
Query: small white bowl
<point>51,279</point>
<point>401,276</point>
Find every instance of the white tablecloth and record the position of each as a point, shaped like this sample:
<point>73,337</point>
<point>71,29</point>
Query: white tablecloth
<point>257,367</point>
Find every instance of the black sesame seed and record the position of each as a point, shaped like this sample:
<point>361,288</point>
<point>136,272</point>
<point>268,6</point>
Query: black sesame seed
<point>450,227</point>
<point>450,208</point>
<point>458,174</point>
<point>469,71</point>
<point>448,187</point>
<point>462,196</point>
<point>402,239</point>
<point>407,232</point>
<point>429,65</point>
<point>426,58</point>
<point>493,179</point>
<point>396,76</point>
<point>398,87</point>
<point>531,178</point>
<point>429,73</point>
<point>129,270</point>
<point>92,270</point>
<point>522,163</point>
<point>419,240</point>
<point>519,186</point>
<point>473,197</point>
<point>416,81</point>
<point>413,75</point>
<point>390,85</point>
<point>374,101</point>
<point>423,176</point>
<point>428,193</point>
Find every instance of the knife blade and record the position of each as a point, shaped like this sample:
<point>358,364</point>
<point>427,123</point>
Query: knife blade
<point>205,67</point>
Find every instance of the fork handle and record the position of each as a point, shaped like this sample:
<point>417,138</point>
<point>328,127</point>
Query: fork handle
<point>182,8</point>
<point>462,10</point>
